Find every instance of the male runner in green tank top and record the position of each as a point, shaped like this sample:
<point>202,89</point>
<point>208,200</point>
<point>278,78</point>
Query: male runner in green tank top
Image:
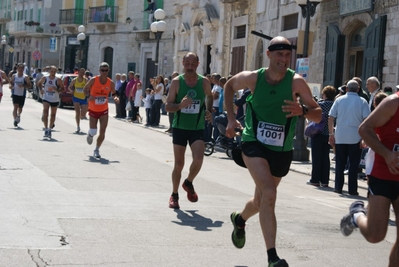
<point>190,98</point>
<point>271,115</point>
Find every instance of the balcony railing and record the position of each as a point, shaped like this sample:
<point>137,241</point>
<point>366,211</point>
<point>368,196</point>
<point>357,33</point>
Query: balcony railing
<point>73,16</point>
<point>103,14</point>
<point>43,29</point>
<point>140,24</point>
<point>16,27</point>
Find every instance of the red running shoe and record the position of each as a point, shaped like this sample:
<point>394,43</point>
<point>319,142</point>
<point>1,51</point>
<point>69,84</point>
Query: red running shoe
<point>174,202</point>
<point>191,195</point>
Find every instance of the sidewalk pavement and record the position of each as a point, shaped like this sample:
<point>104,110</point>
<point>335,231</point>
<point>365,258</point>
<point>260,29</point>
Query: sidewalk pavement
<point>299,167</point>
<point>303,167</point>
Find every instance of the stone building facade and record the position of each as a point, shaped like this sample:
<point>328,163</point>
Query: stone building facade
<point>31,27</point>
<point>123,40</point>
<point>356,41</point>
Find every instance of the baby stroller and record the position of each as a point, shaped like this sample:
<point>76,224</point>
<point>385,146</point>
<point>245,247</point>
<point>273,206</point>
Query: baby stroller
<point>228,144</point>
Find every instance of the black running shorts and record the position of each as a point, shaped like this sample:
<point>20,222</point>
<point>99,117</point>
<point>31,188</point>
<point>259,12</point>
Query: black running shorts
<point>52,104</point>
<point>181,137</point>
<point>18,100</point>
<point>279,162</point>
<point>385,188</point>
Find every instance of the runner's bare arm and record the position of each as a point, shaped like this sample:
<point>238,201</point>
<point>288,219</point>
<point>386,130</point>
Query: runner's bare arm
<point>206,84</point>
<point>60,85</point>
<point>72,85</point>
<point>28,83</point>
<point>88,86</point>
<point>170,104</point>
<point>245,79</point>
<point>40,84</point>
<point>114,93</point>
<point>12,81</point>
<point>4,77</point>
<point>380,116</point>
<point>311,108</point>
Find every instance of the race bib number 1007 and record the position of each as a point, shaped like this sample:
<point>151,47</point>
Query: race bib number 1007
<point>194,108</point>
<point>270,134</point>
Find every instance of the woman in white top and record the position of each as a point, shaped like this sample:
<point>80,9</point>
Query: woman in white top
<point>137,103</point>
<point>156,106</point>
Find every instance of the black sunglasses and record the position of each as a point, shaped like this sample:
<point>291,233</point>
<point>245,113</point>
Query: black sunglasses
<point>102,70</point>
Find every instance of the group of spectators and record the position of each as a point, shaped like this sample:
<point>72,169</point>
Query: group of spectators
<point>133,96</point>
<point>343,112</point>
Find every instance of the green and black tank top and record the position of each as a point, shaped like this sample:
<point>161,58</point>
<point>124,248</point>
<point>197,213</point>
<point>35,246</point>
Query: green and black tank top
<point>265,120</point>
<point>193,116</point>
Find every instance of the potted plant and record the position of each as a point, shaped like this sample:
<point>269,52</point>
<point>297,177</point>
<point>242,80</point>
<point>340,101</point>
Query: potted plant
<point>52,24</point>
<point>39,29</point>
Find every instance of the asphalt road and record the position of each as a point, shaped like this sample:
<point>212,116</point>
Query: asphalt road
<point>62,207</point>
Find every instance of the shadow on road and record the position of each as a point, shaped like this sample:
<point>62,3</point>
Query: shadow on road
<point>50,140</point>
<point>198,222</point>
<point>18,128</point>
<point>101,160</point>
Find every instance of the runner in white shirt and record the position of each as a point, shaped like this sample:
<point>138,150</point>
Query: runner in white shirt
<point>19,83</point>
<point>50,87</point>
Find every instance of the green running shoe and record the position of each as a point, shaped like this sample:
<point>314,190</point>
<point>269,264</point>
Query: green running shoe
<point>238,234</point>
<point>279,263</point>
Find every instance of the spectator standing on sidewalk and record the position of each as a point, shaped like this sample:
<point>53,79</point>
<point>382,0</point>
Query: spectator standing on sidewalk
<point>118,84</point>
<point>156,105</point>
<point>122,95</point>
<point>170,114</point>
<point>373,86</point>
<point>349,111</point>
<point>147,105</point>
<point>129,88</point>
<point>216,93</point>
<point>133,95</point>
<point>267,149</point>
<point>361,92</point>
<point>379,131</point>
<point>320,147</point>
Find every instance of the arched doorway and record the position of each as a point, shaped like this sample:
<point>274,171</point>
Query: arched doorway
<point>356,52</point>
<point>109,58</point>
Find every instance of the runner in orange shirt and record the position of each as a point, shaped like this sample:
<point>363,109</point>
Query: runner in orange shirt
<point>97,90</point>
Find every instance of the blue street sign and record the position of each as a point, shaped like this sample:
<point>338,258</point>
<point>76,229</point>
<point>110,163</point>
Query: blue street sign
<point>53,44</point>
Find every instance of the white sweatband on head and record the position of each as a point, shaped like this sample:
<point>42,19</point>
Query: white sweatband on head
<point>92,132</point>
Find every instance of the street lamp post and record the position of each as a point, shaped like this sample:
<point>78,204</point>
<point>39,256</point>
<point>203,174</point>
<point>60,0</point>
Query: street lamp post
<point>301,153</point>
<point>3,45</point>
<point>81,37</point>
<point>158,27</point>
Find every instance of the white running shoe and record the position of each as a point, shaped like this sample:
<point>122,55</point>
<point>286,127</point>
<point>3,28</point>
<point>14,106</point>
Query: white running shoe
<point>18,119</point>
<point>45,133</point>
<point>77,130</point>
<point>89,139</point>
<point>49,133</point>
<point>96,153</point>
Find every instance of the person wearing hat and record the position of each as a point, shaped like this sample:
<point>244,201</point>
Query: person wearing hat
<point>267,139</point>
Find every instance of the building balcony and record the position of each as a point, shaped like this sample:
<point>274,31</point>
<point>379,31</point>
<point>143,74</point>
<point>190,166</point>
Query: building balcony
<point>103,17</point>
<point>70,19</point>
<point>5,15</point>
<point>139,25</point>
<point>43,30</point>
<point>17,27</point>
